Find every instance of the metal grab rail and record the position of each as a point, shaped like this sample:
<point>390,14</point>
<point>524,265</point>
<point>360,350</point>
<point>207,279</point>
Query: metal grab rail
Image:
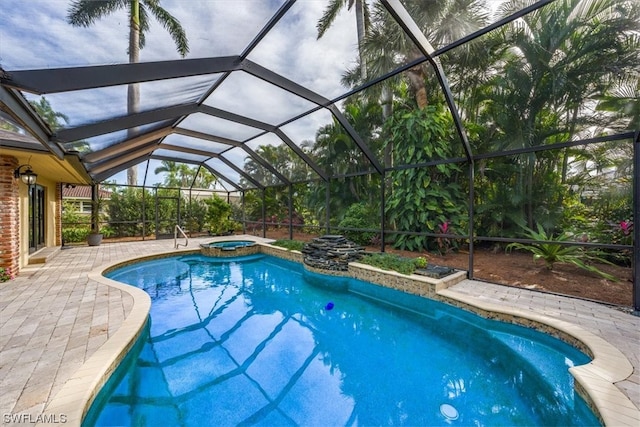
<point>176,245</point>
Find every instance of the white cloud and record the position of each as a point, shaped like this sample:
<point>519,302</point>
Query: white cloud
<point>292,48</point>
<point>35,34</point>
<point>252,97</point>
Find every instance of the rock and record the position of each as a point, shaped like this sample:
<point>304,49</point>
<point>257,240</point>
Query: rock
<point>331,252</point>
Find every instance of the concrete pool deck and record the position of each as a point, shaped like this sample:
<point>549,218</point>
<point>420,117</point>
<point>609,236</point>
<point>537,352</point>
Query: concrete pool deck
<point>57,318</point>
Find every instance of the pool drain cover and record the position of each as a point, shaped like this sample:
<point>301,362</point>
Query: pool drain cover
<point>448,411</point>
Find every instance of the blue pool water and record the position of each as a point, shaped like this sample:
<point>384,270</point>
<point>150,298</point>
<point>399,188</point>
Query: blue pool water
<point>258,340</point>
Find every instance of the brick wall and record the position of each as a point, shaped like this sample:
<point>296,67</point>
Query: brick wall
<point>9,215</point>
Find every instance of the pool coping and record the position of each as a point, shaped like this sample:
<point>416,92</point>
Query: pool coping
<point>78,393</point>
<point>594,381</point>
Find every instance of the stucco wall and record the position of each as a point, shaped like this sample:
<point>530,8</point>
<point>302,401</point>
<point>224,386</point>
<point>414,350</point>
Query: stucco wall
<point>14,215</point>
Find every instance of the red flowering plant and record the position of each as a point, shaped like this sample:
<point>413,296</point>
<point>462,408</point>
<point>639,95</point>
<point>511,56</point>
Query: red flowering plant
<point>5,274</point>
<point>444,243</point>
<point>626,227</point>
<point>622,232</point>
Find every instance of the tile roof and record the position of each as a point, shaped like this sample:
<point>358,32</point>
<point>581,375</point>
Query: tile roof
<point>82,192</point>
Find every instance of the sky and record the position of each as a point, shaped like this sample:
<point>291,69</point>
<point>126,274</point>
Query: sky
<point>35,34</point>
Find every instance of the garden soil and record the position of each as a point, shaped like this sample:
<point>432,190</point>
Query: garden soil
<point>520,270</point>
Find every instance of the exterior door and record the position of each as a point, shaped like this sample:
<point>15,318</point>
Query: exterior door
<point>36,218</point>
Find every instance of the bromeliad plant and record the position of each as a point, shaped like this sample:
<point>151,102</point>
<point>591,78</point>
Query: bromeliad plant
<point>444,243</point>
<point>623,232</point>
<point>626,227</point>
<point>551,251</point>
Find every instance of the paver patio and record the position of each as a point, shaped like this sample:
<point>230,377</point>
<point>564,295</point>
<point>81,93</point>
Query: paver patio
<point>53,317</point>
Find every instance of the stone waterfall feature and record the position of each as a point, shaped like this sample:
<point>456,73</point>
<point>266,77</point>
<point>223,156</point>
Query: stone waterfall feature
<point>331,252</point>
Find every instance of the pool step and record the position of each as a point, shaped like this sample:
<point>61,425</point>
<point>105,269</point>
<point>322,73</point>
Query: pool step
<point>537,355</point>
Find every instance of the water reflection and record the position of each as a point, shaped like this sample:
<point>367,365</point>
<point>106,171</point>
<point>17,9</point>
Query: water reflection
<point>243,343</point>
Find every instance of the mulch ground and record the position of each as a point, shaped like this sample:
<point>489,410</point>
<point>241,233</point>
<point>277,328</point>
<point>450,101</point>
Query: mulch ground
<point>520,270</point>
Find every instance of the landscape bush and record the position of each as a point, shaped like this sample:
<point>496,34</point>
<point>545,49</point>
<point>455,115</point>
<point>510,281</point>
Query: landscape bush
<point>394,262</point>
<point>292,245</point>
<point>360,215</point>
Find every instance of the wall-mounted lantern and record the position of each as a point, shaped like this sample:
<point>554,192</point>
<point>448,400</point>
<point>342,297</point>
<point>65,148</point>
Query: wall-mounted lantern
<point>28,176</point>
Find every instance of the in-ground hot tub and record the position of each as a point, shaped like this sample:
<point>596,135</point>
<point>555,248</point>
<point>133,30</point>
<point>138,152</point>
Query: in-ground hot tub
<point>229,248</point>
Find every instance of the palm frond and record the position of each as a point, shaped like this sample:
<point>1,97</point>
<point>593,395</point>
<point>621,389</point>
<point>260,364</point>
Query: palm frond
<point>144,26</point>
<point>83,13</point>
<point>329,16</point>
<point>171,24</point>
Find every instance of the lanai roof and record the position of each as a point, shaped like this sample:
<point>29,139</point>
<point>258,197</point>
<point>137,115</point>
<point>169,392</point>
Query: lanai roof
<point>257,75</point>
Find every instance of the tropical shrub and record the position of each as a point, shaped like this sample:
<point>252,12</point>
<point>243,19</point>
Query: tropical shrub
<point>360,215</point>
<point>273,205</point>
<point>125,210</point>
<point>577,218</point>
<point>217,217</point>
<point>604,217</point>
<point>613,210</point>
<point>75,226</point>
<point>136,211</point>
<point>551,251</point>
<point>292,245</point>
<point>424,198</point>
<point>394,262</point>
<point>194,218</point>
<point>420,262</point>
<point>75,234</point>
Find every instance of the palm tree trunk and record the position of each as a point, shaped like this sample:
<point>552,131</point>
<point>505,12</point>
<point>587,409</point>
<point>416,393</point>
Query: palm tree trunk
<point>416,77</point>
<point>361,33</point>
<point>386,100</point>
<point>133,90</point>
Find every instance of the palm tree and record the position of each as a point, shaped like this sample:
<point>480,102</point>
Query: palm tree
<point>51,117</point>
<point>555,63</point>
<point>282,158</point>
<point>362,22</point>
<point>441,22</point>
<point>204,179</point>
<point>177,174</point>
<point>83,13</point>
<point>622,100</point>
<point>386,47</point>
<point>334,150</point>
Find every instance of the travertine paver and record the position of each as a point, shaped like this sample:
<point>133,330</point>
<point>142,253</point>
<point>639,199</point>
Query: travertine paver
<point>53,318</point>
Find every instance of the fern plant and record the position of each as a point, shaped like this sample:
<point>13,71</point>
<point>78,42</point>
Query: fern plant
<point>547,249</point>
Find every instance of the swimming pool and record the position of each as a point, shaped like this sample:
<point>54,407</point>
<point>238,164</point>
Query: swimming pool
<point>259,340</point>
